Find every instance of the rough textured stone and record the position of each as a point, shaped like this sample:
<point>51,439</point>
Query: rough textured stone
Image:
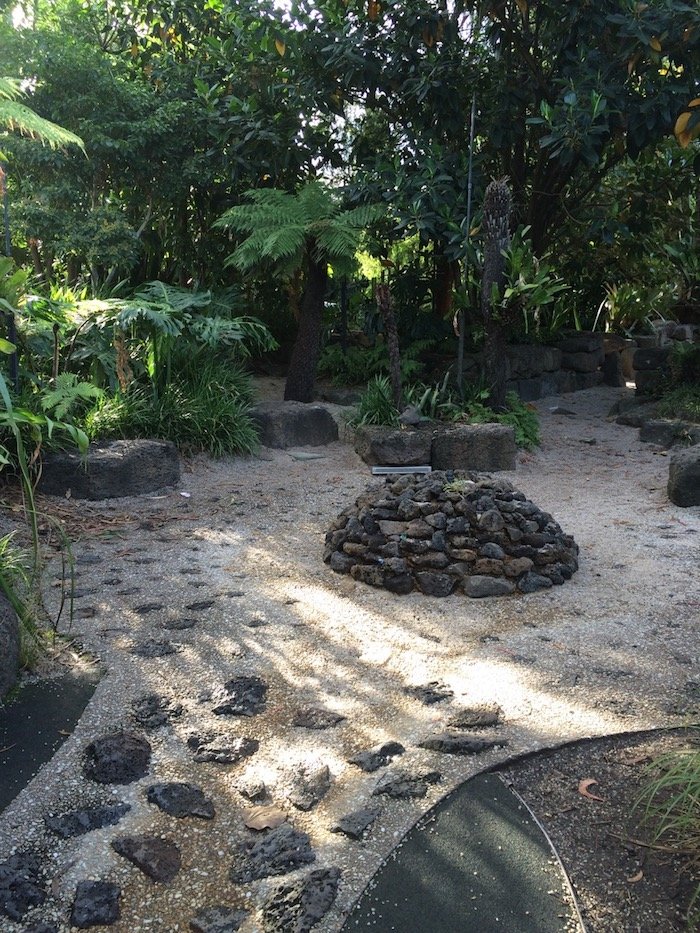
<point>294,424</point>
<point>9,646</point>
<point>476,717</point>
<point>114,468</point>
<point>684,476</point>
<point>434,692</point>
<point>650,358</point>
<point>403,785</point>
<point>310,783</point>
<point>157,858</point>
<point>314,717</point>
<point>240,696</point>
<point>96,903</point>
<point>582,342</point>
<point>118,758</point>
<point>478,587</point>
<point>218,919</point>
<point>667,433</point>
<point>20,885</point>
<point>299,906</point>
<point>221,748</point>
<point>275,853</point>
<point>650,381</point>
<point>451,743</point>
<point>435,584</point>
<point>355,824</point>
<point>382,446</point>
<point>79,822</point>
<point>531,582</point>
<point>489,447</point>
<point>581,362</point>
<point>377,758</point>
<point>152,711</point>
<point>154,648</point>
<point>181,799</point>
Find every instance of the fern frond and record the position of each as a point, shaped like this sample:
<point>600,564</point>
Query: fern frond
<point>67,393</point>
<point>17,116</point>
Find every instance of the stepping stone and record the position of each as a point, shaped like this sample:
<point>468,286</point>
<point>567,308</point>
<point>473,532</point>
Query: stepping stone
<point>218,919</point>
<point>314,717</point>
<point>152,711</point>
<point>300,905</point>
<point>221,748</point>
<point>241,696</point>
<point>178,625</point>
<point>200,606</point>
<point>20,885</point>
<point>96,903</point>
<point>378,757</point>
<point>458,744</point>
<point>434,692</point>
<point>354,824</point>
<point>146,608</point>
<point>79,822</point>
<point>403,785</point>
<point>157,858</point>
<point>476,717</point>
<point>310,783</point>
<point>181,800</point>
<point>154,648</point>
<point>117,758</point>
<point>277,852</point>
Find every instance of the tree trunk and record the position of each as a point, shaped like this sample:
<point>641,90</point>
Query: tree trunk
<point>497,208</point>
<point>443,285</point>
<point>301,374</point>
<point>392,341</point>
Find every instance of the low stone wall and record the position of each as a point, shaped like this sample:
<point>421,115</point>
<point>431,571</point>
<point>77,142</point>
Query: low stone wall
<point>483,447</point>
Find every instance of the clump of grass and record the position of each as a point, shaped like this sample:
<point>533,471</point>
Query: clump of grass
<point>376,405</point>
<point>16,572</point>
<point>671,803</point>
<point>682,402</point>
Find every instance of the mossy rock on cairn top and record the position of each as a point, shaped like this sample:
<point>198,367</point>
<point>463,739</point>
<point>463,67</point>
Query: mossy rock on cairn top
<point>450,532</point>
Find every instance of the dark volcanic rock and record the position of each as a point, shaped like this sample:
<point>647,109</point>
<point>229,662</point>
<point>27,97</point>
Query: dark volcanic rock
<point>299,906</point>
<point>9,645</point>
<point>275,853</point>
<point>480,586</point>
<point>376,758</point>
<point>222,748</point>
<point>435,584</point>
<point>434,692</point>
<point>41,927</point>
<point>402,785</point>
<point>118,758</point>
<point>96,903</point>
<point>476,717</point>
<point>293,424</point>
<point>356,823</point>
<point>154,648</point>
<point>241,696</point>
<point>310,783</point>
<point>684,476</point>
<point>455,744</point>
<point>20,885</point>
<point>181,800</point>
<point>157,858</point>
<point>314,717</point>
<point>152,711</point>
<point>218,919</point>
<point>533,581</point>
<point>79,822</point>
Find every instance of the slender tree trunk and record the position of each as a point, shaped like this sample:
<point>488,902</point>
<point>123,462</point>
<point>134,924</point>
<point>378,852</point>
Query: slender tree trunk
<point>301,374</point>
<point>392,340</point>
<point>497,208</point>
<point>443,285</point>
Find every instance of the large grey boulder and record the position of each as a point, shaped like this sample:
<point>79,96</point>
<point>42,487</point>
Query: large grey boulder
<point>667,433</point>
<point>383,446</point>
<point>112,469</point>
<point>9,645</point>
<point>483,447</point>
<point>684,476</point>
<point>294,424</point>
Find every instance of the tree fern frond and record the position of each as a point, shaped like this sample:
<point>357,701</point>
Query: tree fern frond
<point>338,241</point>
<point>172,296</point>
<point>317,203</point>
<point>19,117</point>
<point>364,215</point>
<point>66,394</point>
<point>10,89</point>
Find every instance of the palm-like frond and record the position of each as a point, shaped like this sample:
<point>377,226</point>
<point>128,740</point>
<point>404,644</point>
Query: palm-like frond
<point>172,296</point>
<point>17,116</point>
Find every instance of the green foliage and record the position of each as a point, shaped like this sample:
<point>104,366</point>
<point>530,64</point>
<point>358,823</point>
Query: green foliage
<point>15,115</point>
<point>204,409</point>
<point>671,804</point>
<point>682,402</point>
<point>376,405</point>
<point>358,364</point>
<point>685,364</point>
<point>629,308</point>
<point>68,394</point>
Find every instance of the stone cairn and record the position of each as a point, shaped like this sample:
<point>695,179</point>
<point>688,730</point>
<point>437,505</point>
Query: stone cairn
<point>450,531</point>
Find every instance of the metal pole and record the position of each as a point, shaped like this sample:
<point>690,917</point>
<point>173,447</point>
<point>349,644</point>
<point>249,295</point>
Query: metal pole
<point>11,329</point>
<point>470,185</point>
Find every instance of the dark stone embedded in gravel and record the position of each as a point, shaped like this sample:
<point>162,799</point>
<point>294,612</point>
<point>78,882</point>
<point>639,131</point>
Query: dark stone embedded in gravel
<point>181,799</point>
<point>179,625</point>
<point>275,853</point>
<point>41,927</point>
<point>96,903</point>
<point>79,822</point>
<point>402,785</point>
<point>157,858</point>
<point>20,885</point>
<point>310,783</point>
<point>152,711</point>
<point>378,757</point>
<point>354,824</point>
<point>476,717</point>
<point>531,582</point>
<point>218,919</point>
<point>146,608</point>
<point>222,748</point>
<point>241,696</point>
<point>118,758</point>
<point>201,605</point>
<point>300,905</point>
<point>446,531</point>
<point>154,648</point>
<point>451,743</point>
<point>314,717</point>
<point>434,692</point>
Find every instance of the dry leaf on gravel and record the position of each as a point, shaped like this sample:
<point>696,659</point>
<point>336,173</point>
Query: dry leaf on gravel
<point>583,789</point>
<point>268,817</point>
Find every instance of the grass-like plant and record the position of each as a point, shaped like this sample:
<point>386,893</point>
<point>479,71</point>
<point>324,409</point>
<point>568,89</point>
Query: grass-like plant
<point>682,402</point>
<point>376,405</point>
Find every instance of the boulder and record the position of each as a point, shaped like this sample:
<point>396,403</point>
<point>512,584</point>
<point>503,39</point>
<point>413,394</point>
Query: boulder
<point>582,362</point>
<point>649,381</point>
<point>112,469</point>
<point>684,476</point>
<point>484,447</point>
<point>294,424</point>
<point>667,433</point>
<point>582,342</point>
<point>9,645</point>
<point>383,446</point>
<point>650,358</point>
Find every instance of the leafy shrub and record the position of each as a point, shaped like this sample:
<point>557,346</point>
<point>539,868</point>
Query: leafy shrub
<point>682,402</point>
<point>376,405</point>
<point>685,364</point>
<point>358,364</point>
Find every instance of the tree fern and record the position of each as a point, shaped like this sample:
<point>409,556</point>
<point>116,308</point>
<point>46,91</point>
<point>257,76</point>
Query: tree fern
<point>17,116</point>
<point>67,393</point>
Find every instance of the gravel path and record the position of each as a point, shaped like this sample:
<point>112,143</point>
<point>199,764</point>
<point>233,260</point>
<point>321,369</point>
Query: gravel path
<point>222,579</point>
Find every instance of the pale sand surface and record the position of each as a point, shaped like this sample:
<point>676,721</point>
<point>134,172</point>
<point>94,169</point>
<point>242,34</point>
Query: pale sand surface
<point>610,651</point>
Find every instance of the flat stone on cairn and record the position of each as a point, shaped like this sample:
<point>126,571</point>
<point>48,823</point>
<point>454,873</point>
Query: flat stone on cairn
<point>448,532</point>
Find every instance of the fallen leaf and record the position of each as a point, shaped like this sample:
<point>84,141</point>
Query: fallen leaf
<point>583,789</point>
<point>635,878</point>
<point>267,817</point>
